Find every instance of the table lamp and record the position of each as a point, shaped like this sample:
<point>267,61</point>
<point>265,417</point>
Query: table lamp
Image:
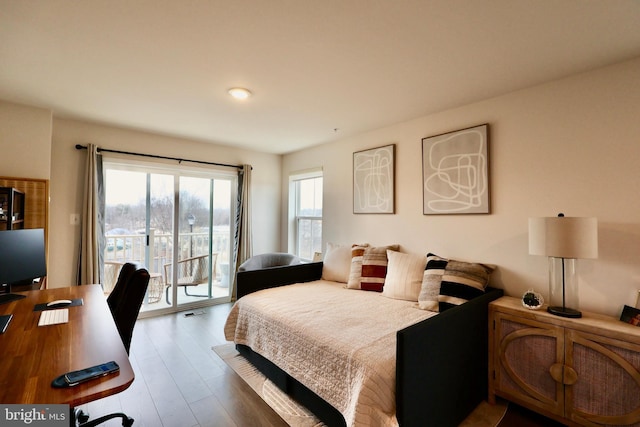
<point>563,240</point>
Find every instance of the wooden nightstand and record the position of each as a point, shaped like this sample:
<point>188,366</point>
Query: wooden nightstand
<point>578,371</point>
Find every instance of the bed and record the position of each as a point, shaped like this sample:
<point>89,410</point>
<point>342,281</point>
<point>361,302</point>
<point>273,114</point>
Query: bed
<point>356,358</point>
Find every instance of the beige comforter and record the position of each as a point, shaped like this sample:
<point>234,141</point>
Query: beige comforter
<point>340,343</point>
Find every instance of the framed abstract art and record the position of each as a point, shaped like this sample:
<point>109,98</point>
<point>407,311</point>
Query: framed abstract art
<point>455,172</point>
<point>373,180</point>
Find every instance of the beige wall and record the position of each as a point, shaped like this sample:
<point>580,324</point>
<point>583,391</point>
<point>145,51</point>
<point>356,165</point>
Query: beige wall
<point>67,168</point>
<point>25,139</point>
<point>35,145</point>
<point>569,146</point>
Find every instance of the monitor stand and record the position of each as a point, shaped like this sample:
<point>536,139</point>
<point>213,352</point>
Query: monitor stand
<point>5,298</point>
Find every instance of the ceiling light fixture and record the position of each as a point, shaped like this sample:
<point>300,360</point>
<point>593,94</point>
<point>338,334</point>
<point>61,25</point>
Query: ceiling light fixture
<point>239,92</point>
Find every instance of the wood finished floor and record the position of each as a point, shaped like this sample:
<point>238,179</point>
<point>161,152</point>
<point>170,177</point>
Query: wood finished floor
<point>181,382</point>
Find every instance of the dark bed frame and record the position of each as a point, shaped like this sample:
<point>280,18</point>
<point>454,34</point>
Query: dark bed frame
<point>441,362</point>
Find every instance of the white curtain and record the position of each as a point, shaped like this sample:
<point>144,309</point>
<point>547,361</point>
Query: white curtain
<point>92,235</point>
<point>243,239</point>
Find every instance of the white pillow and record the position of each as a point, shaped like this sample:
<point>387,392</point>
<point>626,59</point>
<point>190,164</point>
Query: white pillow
<point>337,263</point>
<point>404,276</point>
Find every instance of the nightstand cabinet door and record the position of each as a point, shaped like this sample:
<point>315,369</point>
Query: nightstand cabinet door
<point>525,352</point>
<point>582,372</point>
<point>608,388</point>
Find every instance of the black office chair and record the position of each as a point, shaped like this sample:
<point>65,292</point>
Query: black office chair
<point>124,302</point>
<point>126,298</point>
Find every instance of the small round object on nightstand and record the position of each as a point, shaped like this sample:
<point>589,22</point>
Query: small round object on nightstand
<point>532,300</point>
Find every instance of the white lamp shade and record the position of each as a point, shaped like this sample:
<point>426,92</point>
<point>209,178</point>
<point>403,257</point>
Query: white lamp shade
<point>564,237</point>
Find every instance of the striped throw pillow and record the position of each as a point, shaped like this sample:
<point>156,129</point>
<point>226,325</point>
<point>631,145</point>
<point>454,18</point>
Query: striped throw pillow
<point>355,273</point>
<point>447,283</point>
<point>374,267</point>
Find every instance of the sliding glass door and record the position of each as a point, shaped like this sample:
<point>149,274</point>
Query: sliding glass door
<point>178,223</point>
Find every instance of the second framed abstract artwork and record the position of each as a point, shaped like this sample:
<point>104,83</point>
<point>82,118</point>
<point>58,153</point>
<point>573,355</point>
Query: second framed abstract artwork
<point>455,172</point>
<point>373,180</point>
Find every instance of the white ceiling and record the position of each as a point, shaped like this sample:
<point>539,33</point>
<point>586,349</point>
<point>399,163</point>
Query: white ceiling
<point>312,65</point>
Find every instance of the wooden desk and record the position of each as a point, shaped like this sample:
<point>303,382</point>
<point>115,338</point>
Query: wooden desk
<point>31,356</point>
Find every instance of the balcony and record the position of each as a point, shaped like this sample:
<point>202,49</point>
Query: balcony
<point>121,248</point>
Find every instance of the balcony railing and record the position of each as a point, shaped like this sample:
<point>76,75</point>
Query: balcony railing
<point>123,248</point>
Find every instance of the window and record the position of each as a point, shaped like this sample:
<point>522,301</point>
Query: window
<point>306,206</point>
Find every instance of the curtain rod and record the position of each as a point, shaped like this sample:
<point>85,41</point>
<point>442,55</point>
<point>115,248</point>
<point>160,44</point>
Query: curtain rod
<point>179,160</point>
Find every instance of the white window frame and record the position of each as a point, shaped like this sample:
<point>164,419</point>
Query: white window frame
<point>294,218</point>
<point>118,163</point>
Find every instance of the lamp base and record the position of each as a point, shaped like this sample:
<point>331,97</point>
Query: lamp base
<point>564,312</point>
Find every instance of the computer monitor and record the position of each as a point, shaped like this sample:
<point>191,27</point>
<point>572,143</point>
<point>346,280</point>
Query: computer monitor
<point>22,259</point>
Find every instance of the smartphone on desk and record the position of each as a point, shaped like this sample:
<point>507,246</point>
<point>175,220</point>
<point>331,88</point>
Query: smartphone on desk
<point>76,377</point>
